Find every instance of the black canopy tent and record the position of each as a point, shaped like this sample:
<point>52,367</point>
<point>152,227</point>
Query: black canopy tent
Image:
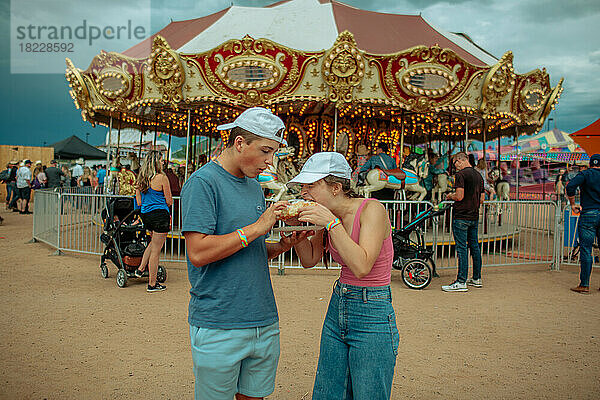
<point>73,147</point>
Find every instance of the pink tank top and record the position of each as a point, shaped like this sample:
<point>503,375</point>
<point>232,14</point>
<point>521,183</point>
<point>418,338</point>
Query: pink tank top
<point>380,274</point>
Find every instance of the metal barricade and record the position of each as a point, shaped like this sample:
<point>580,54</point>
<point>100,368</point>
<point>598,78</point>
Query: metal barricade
<point>46,222</point>
<point>568,243</point>
<point>509,233</point>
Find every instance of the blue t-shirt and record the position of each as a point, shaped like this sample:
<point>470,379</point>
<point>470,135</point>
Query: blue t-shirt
<point>234,292</point>
<point>101,175</point>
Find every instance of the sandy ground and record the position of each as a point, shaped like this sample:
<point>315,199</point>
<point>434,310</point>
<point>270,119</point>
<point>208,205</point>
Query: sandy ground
<point>69,334</point>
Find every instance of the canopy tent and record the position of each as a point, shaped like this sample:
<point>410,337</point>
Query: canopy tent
<point>338,76</point>
<point>553,145</point>
<point>589,138</point>
<point>553,140</point>
<point>73,147</point>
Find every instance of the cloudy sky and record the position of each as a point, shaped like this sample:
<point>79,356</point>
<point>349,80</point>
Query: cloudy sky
<point>561,36</point>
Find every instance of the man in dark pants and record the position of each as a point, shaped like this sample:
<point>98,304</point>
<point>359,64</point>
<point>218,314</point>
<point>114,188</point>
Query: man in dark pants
<point>12,182</point>
<point>468,197</point>
<point>588,182</point>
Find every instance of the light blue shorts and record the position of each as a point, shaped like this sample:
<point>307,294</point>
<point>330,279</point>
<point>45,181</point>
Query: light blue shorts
<point>230,361</point>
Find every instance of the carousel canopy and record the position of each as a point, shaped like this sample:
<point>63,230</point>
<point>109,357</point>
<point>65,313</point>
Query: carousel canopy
<point>337,75</point>
<point>320,23</point>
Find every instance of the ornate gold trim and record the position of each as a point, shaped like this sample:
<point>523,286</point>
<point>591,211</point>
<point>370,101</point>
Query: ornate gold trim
<point>166,71</point>
<point>343,68</point>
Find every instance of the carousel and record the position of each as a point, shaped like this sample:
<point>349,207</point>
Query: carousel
<point>341,78</point>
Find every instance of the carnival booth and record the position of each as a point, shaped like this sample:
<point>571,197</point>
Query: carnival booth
<point>338,76</point>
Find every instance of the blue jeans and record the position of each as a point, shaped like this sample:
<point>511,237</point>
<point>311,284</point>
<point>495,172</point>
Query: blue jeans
<point>359,345</point>
<point>465,236</point>
<point>9,190</point>
<point>588,229</point>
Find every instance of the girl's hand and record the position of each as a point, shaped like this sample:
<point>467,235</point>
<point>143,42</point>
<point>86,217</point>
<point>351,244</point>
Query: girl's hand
<point>317,215</point>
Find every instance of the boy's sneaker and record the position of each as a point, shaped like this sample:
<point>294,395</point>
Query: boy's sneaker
<point>138,273</point>
<point>455,287</point>
<point>475,282</point>
<point>156,288</point>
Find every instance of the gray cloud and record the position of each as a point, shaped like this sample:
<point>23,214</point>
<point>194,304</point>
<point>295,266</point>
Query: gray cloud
<point>558,11</point>
<point>595,57</point>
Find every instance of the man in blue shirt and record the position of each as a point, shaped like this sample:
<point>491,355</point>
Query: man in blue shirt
<point>101,177</point>
<point>234,328</point>
<point>588,182</point>
<point>380,160</point>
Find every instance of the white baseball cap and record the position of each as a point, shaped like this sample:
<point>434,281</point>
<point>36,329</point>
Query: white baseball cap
<point>259,121</point>
<point>319,165</point>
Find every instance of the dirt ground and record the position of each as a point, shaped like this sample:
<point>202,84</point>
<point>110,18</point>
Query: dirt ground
<point>69,334</point>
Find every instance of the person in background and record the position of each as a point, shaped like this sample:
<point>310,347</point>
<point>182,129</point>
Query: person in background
<point>153,196</point>
<point>468,197</point>
<point>588,228</point>
<point>6,181</point>
<point>101,178</point>
<point>12,180</point>
<point>181,175</point>
<point>126,181</point>
<point>24,187</point>
<point>94,181</point>
<point>481,168</point>
<point>173,180</point>
<point>42,177</point>
<point>202,159</point>
<point>35,183</point>
<point>54,175</point>
<point>77,171</point>
<point>380,160</point>
<point>360,339</point>
<point>66,176</point>
<point>85,179</point>
<point>560,183</point>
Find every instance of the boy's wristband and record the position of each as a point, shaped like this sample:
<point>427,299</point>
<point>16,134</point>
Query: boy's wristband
<point>243,237</point>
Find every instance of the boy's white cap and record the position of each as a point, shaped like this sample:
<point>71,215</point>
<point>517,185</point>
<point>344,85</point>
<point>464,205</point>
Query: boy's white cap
<point>259,121</point>
<point>319,165</point>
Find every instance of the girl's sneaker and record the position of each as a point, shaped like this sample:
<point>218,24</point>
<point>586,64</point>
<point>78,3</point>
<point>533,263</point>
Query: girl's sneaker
<point>156,288</point>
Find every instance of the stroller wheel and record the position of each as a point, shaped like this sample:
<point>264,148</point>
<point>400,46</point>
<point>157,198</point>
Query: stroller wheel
<point>161,274</point>
<point>416,274</point>
<point>121,278</point>
<point>104,270</point>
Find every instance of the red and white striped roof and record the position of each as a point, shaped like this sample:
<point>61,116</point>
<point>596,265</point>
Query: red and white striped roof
<point>312,25</point>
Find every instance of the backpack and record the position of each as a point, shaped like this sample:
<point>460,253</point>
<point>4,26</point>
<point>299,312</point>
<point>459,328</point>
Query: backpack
<point>5,176</point>
<point>35,184</point>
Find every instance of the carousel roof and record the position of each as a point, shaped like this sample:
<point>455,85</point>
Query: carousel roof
<point>311,25</point>
<point>319,64</point>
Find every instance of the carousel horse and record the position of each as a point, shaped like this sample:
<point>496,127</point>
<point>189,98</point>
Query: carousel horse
<point>502,188</point>
<point>134,161</point>
<point>441,182</point>
<point>406,178</point>
<point>501,185</point>
<point>271,178</point>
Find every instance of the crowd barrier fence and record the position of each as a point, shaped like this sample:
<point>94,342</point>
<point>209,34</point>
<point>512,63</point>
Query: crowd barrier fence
<point>510,232</point>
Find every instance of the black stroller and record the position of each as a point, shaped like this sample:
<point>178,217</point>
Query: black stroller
<point>125,239</point>
<point>413,257</point>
